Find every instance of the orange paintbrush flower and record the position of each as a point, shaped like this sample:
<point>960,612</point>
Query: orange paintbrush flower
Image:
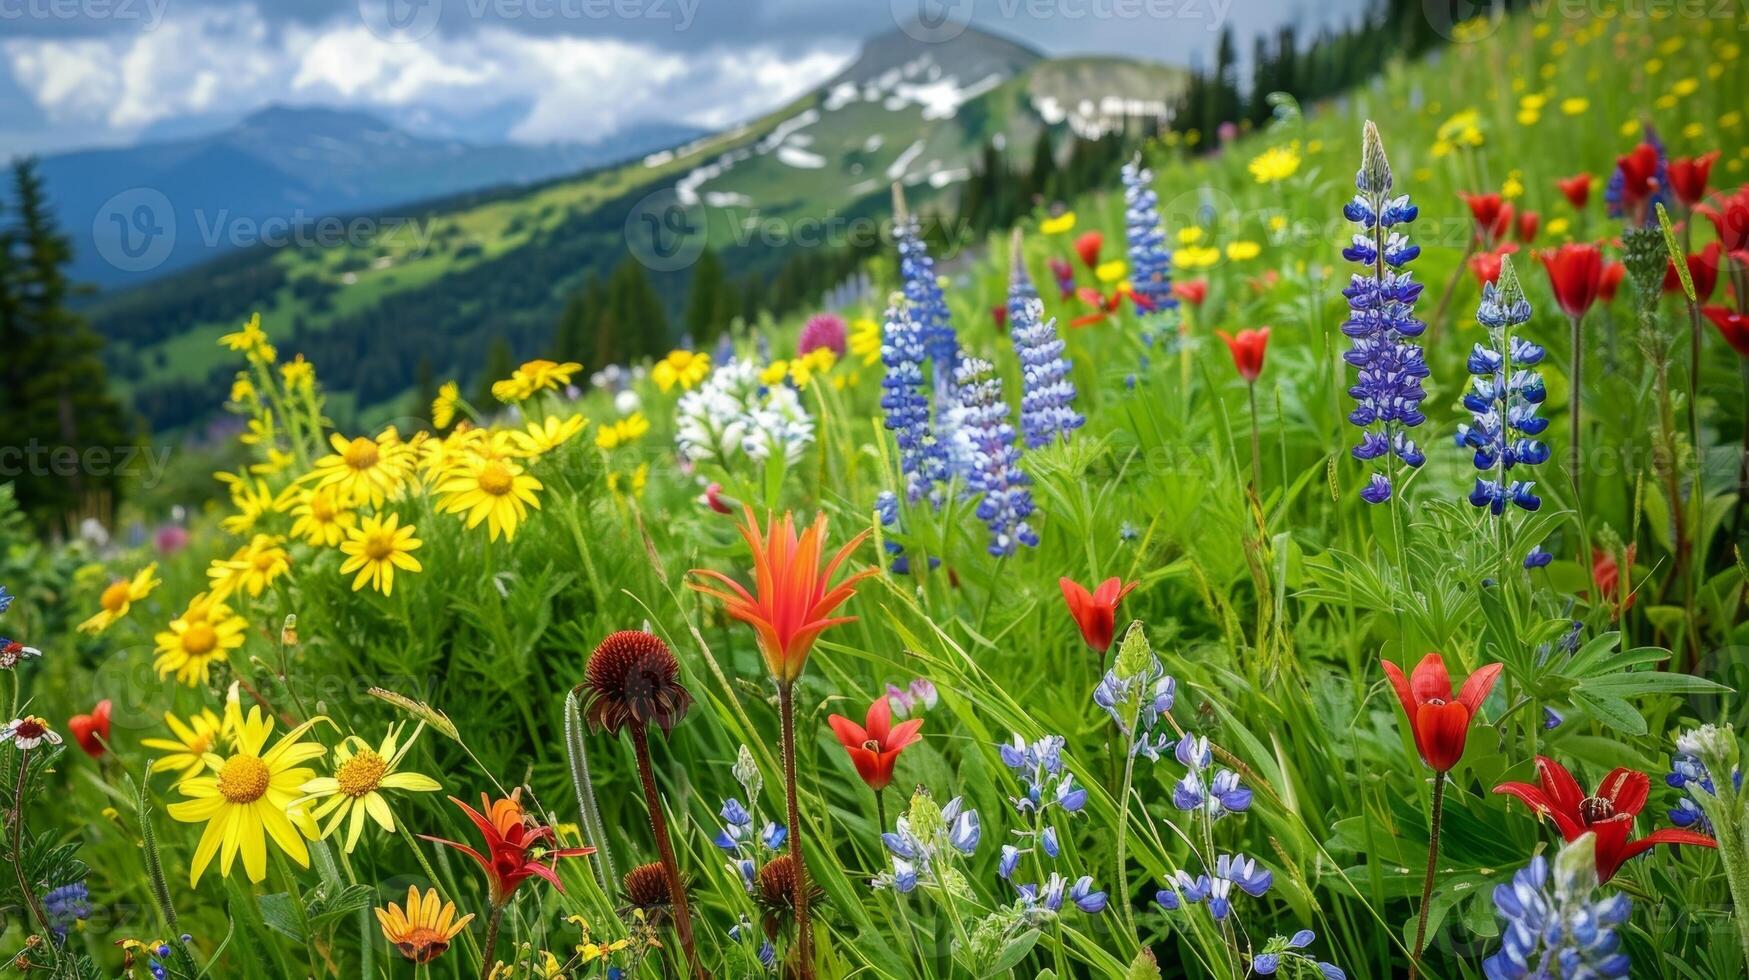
<point>793,597</point>
<point>517,847</point>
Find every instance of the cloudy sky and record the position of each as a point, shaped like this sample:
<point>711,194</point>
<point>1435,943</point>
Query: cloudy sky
<point>77,73</point>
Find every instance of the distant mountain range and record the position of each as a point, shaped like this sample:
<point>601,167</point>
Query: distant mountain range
<point>138,212</point>
<point>501,263</point>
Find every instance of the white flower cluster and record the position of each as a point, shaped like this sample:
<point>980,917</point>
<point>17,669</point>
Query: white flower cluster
<point>731,414</point>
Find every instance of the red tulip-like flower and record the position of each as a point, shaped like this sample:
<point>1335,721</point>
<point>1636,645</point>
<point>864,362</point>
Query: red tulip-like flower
<point>512,838</point>
<point>1639,179</point>
<point>1577,189</point>
<point>793,597</point>
<point>1606,576</point>
<point>1440,724</point>
<point>1247,350</point>
<point>1576,273</point>
<point>1192,291</point>
<point>1088,246</point>
<point>875,744</point>
<point>999,314</point>
<point>1733,326</point>
<point>1703,268</point>
<point>1526,228</point>
<point>1609,814</point>
<point>1688,176</point>
<point>92,731</point>
<point>1486,265</point>
<point>714,499</point>
<point>1730,218</point>
<point>1095,612</point>
<point>1610,281</point>
<point>1493,216</point>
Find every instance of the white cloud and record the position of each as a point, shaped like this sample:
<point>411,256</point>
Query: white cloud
<point>232,59</point>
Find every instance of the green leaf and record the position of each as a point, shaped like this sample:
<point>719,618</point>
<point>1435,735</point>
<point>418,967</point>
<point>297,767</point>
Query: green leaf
<point>1648,682</point>
<point>279,912</point>
<point>1612,711</point>
<point>1011,955</point>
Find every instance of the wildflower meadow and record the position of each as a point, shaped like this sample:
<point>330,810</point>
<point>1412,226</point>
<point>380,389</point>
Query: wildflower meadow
<point>1315,555</point>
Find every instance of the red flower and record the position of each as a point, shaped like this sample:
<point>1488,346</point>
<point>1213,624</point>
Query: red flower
<point>512,840</point>
<point>1247,350</point>
<point>92,731</point>
<point>1688,176</point>
<point>714,499</point>
<point>1609,814</point>
<point>1606,576</point>
<point>1493,216</point>
<point>1440,724</point>
<point>1730,218</point>
<point>1576,273</point>
<point>1095,612</point>
<point>1064,273</point>
<point>1703,268</point>
<point>1577,188</point>
<point>1192,291</point>
<point>1639,174</point>
<point>1000,315</point>
<point>1103,306</point>
<point>1528,223</point>
<point>1610,281</point>
<point>793,596</point>
<point>875,745</point>
<point>1733,326</point>
<point>1088,246</point>
<point>1486,265</point>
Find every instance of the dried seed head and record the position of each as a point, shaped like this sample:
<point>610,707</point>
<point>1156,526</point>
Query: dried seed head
<point>634,679</point>
<point>775,891</point>
<point>647,889</point>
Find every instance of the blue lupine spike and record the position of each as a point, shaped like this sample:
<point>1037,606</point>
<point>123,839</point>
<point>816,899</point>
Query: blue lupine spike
<point>992,462</point>
<point>1495,396</point>
<point>1047,396</point>
<point>1150,258</point>
<point>923,294</point>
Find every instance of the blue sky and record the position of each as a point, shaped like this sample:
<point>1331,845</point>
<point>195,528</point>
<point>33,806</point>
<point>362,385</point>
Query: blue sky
<point>76,73</point>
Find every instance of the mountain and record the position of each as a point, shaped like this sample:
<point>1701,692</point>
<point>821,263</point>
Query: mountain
<point>138,212</point>
<point>807,181</point>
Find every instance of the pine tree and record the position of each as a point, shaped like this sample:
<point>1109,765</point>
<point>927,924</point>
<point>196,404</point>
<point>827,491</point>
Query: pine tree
<point>707,308</point>
<point>500,362</point>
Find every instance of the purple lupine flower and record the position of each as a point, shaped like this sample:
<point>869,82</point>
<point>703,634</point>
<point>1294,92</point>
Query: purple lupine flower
<point>1050,894</point>
<point>65,907</point>
<point>922,460</point>
<point>1181,890</point>
<point>1537,558</point>
<point>1381,321</point>
<point>1235,870</point>
<point>992,468</point>
<point>1150,259</point>
<point>923,294</point>
<point>1047,396</point>
<point>1043,779</point>
<point>1279,950</point>
<point>1505,394</point>
<point>1566,931</point>
<point>1688,773</point>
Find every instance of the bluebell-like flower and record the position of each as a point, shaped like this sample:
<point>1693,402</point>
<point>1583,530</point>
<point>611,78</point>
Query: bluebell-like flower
<point>1381,322</point>
<point>924,297</point>
<point>1505,393</point>
<point>921,853</point>
<point>905,401</point>
<point>1047,396</point>
<point>1181,890</point>
<point>1050,895</point>
<point>1145,697</point>
<point>1008,860</point>
<point>1235,870</point>
<point>1538,558</point>
<point>992,461</point>
<point>1150,259</point>
<point>1687,774</point>
<point>1280,949</point>
<point>737,830</point>
<point>1563,931</point>
<point>1043,779</point>
<point>1217,796</point>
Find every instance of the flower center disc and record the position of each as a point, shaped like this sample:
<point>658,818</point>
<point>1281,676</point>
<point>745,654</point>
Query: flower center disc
<point>1594,809</point>
<point>361,774</point>
<point>361,454</point>
<point>495,479</point>
<point>378,547</point>
<point>243,779</point>
<point>115,597</point>
<point>199,640</point>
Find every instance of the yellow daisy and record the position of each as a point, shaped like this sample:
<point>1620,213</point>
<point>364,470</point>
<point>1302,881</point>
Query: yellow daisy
<point>548,434</point>
<point>252,568</point>
<point>444,405</point>
<point>376,549</point>
<point>206,633</point>
<point>1275,164</point>
<point>422,932</point>
<point>682,367</point>
<point>1111,271</point>
<point>366,469</point>
<point>498,492</point>
<point>120,596</point>
<point>247,799</point>
<point>194,738</point>
<point>629,429</point>
<point>818,361</point>
<point>251,503</point>
<point>361,774</point>
<point>534,377</point>
<point>1058,225</point>
<point>322,517</point>
<point>1189,235</point>
<point>251,340</point>
<point>1242,250</point>
<point>865,340</point>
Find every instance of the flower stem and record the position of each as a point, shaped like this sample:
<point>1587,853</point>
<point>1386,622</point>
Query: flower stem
<point>1121,885</point>
<point>24,888</point>
<point>1575,375</point>
<point>1256,444</point>
<point>665,847</point>
<point>493,922</point>
<point>1432,869</point>
<point>804,931</point>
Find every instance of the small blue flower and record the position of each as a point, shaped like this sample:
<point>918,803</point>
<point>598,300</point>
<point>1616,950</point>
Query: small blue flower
<point>5,599</point>
<point>64,907</point>
<point>1235,870</point>
<point>1008,861</point>
<point>1538,558</point>
<point>1565,930</point>
<point>1085,897</point>
<point>1181,890</point>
